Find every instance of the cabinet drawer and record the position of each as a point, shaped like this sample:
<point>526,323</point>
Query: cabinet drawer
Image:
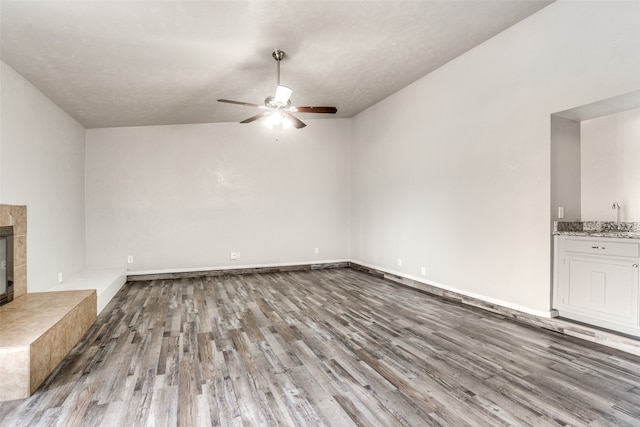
<point>603,247</point>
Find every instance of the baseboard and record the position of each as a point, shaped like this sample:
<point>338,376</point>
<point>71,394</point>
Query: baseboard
<point>220,271</point>
<point>541,319</point>
<point>449,292</point>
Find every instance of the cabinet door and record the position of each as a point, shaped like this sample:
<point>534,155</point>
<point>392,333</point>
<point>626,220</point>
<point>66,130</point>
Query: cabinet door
<point>605,289</point>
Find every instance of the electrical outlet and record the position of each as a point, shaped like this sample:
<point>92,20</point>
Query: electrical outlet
<point>130,259</point>
<point>423,271</point>
<point>399,262</point>
<point>316,251</point>
<point>59,277</point>
<point>235,255</point>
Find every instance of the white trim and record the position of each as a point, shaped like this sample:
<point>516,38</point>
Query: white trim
<point>546,314</point>
<point>231,267</point>
<point>106,281</point>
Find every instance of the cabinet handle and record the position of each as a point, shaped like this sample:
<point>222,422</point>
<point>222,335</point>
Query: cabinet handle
<point>635,266</point>
<point>598,247</point>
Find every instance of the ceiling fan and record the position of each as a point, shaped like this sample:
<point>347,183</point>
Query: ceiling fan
<point>279,106</point>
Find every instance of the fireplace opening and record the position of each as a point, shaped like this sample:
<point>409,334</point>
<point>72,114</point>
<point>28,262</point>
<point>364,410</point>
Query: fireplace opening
<point>6,264</point>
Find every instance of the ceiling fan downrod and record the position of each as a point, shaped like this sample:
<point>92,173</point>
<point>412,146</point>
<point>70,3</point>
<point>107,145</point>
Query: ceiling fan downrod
<point>278,55</point>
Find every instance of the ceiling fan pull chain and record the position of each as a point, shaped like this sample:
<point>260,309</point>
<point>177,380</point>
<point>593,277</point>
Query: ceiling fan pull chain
<point>278,132</point>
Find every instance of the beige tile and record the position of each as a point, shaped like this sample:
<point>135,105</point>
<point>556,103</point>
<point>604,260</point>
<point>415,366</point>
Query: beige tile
<point>51,347</point>
<point>15,375</point>
<point>19,214</point>
<point>5,215</point>
<point>41,359</point>
<point>20,250</point>
<point>19,281</point>
<point>48,324</point>
<point>31,315</point>
<point>88,312</point>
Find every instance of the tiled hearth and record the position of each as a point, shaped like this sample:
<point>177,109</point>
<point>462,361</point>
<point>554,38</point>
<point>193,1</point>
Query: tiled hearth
<point>45,327</point>
<point>37,330</point>
<point>17,217</point>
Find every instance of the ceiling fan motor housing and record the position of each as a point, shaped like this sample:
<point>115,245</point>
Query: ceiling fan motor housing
<point>271,102</point>
<point>278,55</point>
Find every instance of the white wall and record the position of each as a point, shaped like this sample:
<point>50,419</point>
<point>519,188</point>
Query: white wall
<point>565,169</point>
<point>42,166</point>
<point>453,172</point>
<point>185,196</point>
<point>611,166</point>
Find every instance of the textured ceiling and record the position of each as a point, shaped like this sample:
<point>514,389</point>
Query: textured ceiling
<point>127,63</point>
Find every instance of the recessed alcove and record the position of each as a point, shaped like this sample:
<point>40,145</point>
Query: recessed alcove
<point>595,160</point>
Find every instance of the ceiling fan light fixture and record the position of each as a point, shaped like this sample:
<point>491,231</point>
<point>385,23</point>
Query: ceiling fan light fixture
<point>280,117</point>
<point>277,120</point>
<point>270,121</point>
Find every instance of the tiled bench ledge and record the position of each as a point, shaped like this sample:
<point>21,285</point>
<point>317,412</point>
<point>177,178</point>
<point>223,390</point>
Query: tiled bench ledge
<point>38,331</point>
<point>106,282</point>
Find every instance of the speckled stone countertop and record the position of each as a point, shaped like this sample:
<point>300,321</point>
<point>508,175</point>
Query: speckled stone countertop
<point>626,230</point>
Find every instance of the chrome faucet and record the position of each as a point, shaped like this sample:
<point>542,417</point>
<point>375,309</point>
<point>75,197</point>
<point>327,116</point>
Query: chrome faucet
<point>616,207</point>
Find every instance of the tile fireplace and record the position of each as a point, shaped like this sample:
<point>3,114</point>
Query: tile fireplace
<point>6,264</point>
<point>13,252</point>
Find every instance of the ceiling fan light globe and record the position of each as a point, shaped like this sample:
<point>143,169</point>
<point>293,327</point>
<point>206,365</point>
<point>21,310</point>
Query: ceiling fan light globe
<point>282,96</point>
<point>274,119</point>
<point>270,102</point>
<point>286,123</point>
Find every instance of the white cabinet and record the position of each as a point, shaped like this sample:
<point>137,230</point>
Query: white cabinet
<point>596,281</point>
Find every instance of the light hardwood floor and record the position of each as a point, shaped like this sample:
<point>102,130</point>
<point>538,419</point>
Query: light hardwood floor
<point>325,347</point>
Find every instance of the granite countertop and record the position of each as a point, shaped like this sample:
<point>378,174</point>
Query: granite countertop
<point>625,230</point>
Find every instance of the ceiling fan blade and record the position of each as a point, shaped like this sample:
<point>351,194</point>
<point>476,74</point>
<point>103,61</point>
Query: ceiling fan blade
<point>327,110</point>
<point>296,122</point>
<point>256,117</point>
<point>248,104</point>
<point>283,94</point>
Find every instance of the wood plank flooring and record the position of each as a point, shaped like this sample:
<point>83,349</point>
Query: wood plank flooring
<point>326,347</point>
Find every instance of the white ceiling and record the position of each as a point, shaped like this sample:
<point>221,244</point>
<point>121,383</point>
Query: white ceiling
<point>127,63</point>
